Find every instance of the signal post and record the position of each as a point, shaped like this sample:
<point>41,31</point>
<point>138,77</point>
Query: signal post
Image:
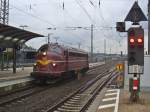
<point>135,60</point>
<point>135,48</point>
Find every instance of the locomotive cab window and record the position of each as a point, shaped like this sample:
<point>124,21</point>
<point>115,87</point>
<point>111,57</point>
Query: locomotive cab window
<point>56,49</point>
<point>43,48</point>
<point>77,54</point>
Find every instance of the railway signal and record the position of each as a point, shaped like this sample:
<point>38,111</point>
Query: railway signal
<point>120,26</point>
<point>135,50</point>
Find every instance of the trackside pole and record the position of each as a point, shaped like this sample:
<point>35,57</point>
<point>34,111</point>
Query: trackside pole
<point>14,59</point>
<point>135,48</point>
<point>134,86</point>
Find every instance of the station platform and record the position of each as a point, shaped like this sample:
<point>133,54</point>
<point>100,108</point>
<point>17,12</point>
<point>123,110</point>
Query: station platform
<point>143,105</point>
<point>117,100</point>
<point>11,82</point>
<point>91,65</point>
<point>7,75</point>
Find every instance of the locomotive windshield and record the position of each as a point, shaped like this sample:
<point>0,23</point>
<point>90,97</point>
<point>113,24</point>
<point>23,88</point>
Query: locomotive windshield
<point>43,48</point>
<point>55,49</point>
<point>51,48</point>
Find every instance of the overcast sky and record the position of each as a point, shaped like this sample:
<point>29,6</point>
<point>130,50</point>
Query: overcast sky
<point>39,15</point>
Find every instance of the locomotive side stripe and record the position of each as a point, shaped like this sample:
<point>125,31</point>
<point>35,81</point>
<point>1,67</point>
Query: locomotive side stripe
<point>45,62</point>
<point>70,61</point>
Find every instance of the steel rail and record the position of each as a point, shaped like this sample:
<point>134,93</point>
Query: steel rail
<point>79,91</point>
<point>97,90</point>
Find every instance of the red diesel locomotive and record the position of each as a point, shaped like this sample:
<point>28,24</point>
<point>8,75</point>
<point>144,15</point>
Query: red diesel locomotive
<point>55,61</point>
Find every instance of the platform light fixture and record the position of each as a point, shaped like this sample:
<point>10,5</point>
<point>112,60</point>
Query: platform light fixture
<point>1,36</point>
<point>15,39</point>
<point>21,41</point>
<point>8,38</point>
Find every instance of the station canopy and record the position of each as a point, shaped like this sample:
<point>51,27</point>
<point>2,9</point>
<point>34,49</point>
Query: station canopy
<point>10,36</point>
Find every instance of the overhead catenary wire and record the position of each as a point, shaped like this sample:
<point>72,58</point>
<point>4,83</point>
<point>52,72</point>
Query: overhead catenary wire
<point>30,6</point>
<point>106,26</point>
<point>101,16</point>
<point>34,16</point>
<point>88,15</point>
<point>65,11</point>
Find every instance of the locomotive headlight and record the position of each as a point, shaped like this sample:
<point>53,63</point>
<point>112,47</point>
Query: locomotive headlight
<point>44,53</point>
<point>53,64</point>
<point>35,64</point>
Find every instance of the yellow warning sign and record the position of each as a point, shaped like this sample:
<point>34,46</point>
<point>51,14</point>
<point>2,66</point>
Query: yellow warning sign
<point>120,78</point>
<point>119,67</point>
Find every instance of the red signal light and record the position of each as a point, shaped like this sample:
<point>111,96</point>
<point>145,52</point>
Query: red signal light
<point>140,40</point>
<point>131,40</point>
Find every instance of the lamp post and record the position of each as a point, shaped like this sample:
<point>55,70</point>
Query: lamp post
<point>148,27</point>
<point>48,37</point>
<point>49,34</point>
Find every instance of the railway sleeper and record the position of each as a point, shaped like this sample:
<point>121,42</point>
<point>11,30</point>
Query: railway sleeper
<point>78,100</point>
<point>75,105</point>
<point>84,94</point>
<point>56,111</point>
<point>72,107</point>
<point>72,102</point>
<point>77,96</point>
<point>75,100</point>
<point>68,110</point>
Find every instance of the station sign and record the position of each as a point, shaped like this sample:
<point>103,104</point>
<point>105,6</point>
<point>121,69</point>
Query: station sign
<point>135,69</point>
<point>136,14</point>
<point>120,78</point>
<point>119,67</point>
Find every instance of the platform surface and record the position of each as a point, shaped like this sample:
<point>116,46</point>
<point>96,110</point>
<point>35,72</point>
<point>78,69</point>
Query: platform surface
<point>143,105</point>
<point>109,101</point>
<point>7,75</point>
<point>117,100</point>
<point>7,78</point>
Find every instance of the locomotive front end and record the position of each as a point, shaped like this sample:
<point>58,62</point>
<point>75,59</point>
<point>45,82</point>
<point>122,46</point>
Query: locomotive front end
<point>49,62</point>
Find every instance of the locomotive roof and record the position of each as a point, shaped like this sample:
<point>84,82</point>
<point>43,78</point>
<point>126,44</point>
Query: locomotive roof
<point>75,50</point>
<point>68,48</point>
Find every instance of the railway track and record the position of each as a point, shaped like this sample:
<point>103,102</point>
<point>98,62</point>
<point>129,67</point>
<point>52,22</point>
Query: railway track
<point>103,66</point>
<point>22,94</point>
<point>33,86</point>
<point>80,100</point>
<point>33,91</point>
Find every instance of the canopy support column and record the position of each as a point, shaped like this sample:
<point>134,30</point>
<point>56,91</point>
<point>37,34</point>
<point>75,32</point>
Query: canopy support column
<point>14,59</point>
